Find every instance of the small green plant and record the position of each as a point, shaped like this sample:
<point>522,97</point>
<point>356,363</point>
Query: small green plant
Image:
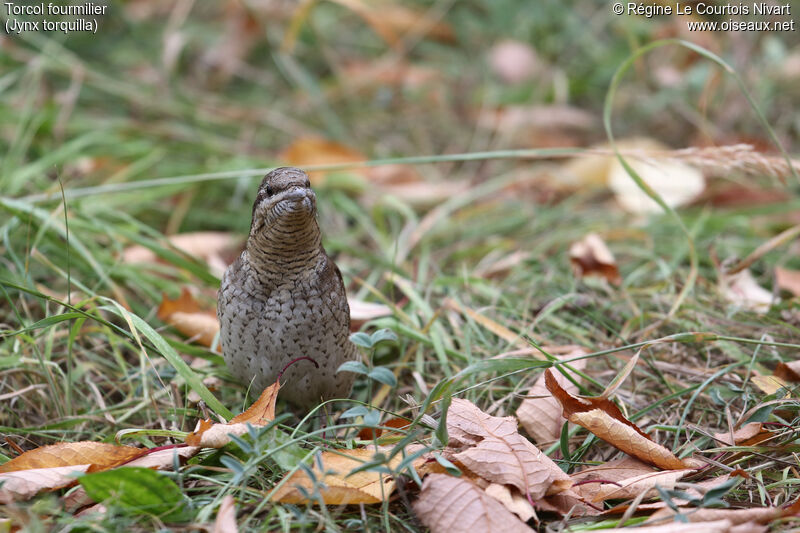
<point>369,342</point>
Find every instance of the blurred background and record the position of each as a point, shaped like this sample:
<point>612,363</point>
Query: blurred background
<point>172,88</point>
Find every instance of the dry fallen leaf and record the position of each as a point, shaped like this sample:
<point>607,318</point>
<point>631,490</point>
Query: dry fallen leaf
<point>603,418</point>
<point>591,257</point>
<point>55,466</point>
<point>695,490</point>
<point>185,314</point>
<point>449,504</point>
<point>676,183</point>
<point>213,247</point>
<point>589,481</point>
<point>311,151</point>
<point>393,21</point>
<point>335,483</point>
<point>632,487</point>
<point>25,484</point>
<point>788,371</point>
<point>362,312</point>
<point>734,516</point>
<point>511,500</point>
<point>788,280</point>
<point>742,290</point>
<point>771,384</point>
<point>261,413</point>
<point>568,503</point>
<point>747,435</point>
<point>540,414</point>
<point>492,448</point>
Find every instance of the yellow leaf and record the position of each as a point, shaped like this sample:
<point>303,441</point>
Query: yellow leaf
<point>335,484</point>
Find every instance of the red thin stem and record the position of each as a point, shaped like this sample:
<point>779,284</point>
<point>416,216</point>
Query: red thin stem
<point>293,361</point>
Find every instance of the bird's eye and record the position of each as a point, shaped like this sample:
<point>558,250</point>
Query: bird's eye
<point>308,184</point>
<point>269,190</point>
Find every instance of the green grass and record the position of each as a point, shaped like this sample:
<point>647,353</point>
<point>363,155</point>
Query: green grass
<point>143,150</point>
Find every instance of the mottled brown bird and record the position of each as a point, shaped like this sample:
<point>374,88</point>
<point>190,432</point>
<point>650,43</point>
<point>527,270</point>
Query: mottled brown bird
<point>284,298</point>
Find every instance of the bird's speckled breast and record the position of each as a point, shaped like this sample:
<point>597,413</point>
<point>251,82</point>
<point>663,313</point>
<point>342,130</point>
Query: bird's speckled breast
<point>305,316</point>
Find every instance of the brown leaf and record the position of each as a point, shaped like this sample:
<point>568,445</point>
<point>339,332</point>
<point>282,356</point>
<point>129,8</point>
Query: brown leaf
<point>632,487</point>
<point>788,280</point>
<point>226,517</point>
<point>591,257</point>
<point>747,435</point>
<point>368,433</point>
<point>696,490</point>
<point>467,425</point>
<point>568,503</point>
<point>492,448</point>
<point>335,484</point>
<point>449,504</point>
<point>262,412</point>
<point>185,314</point>
<point>311,151</point>
<point>603,418</point>
<point>511,500</point>
<point>393,21</point>
<point>589,481</point>
<point>788,371</point>
<point>541,417</point>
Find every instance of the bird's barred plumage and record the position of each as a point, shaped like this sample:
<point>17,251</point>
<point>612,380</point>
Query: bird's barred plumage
<point>284,298</point>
